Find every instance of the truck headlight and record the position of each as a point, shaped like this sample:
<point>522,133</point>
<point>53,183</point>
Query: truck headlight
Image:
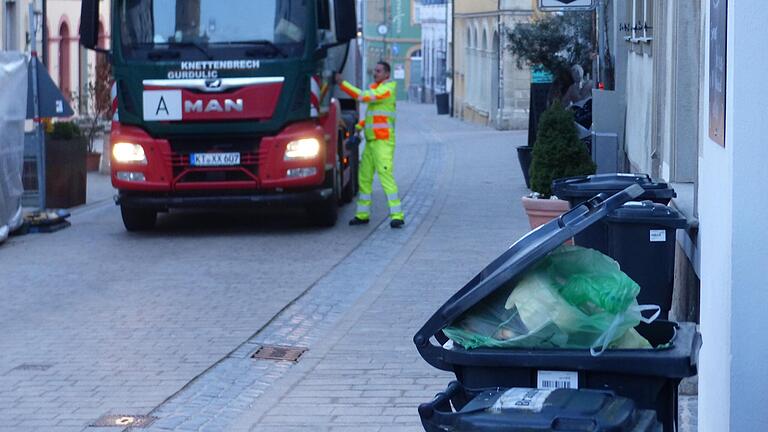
<point>306,148</point>
<point>129,153</point>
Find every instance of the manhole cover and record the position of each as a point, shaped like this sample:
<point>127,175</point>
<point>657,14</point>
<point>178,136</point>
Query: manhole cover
<point>33,367</point>
<point>123,420</point>
<point>276,352</point>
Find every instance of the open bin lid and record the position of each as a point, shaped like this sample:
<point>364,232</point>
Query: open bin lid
<point>518,258</point>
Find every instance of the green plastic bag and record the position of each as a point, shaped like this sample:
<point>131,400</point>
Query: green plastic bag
<point>573,298</point>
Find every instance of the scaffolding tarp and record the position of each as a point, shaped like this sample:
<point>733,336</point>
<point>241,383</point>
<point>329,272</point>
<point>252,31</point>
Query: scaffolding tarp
<point>13,107</point>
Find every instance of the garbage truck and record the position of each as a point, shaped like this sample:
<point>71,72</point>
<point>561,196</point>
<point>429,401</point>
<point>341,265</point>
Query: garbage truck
<point>229,103</point>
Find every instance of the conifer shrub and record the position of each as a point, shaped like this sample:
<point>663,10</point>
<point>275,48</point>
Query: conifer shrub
<point>557,152</point>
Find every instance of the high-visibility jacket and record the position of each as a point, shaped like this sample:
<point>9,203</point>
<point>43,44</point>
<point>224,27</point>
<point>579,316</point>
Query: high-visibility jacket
<point>379,122</point>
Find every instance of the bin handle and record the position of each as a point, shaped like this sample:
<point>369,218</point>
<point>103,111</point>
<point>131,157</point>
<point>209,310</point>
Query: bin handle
<point>427,410</point>
<point>695,347</point>
<point>603,199</point>
<point>591,205</point>
<point>431,353</point>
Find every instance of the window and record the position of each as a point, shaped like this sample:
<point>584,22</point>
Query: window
<point>267,28</point>
<point>640,17</point>
<point>323,15</point>
<point>10,28</point>
<point>64,62</point>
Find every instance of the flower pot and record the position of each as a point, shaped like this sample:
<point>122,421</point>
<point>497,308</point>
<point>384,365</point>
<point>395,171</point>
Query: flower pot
<point>525,156</point>
<point>541,211</point>
<point>92,161</point>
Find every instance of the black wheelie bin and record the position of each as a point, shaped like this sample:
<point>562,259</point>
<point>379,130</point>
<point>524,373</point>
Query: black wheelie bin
<point>578,189</point>
<point>649,377</point>
<point>581,188</point>
<point>531,410</point>
<point>641,238</point>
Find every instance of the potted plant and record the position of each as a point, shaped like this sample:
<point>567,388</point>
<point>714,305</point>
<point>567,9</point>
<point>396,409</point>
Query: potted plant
<point>549,45</point>
<point>557,153</point>
<point>95,110</point>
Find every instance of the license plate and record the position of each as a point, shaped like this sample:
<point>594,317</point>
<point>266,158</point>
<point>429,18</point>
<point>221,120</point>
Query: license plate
<point>214,159</point>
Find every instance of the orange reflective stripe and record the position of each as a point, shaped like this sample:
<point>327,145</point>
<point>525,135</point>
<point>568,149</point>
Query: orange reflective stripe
<point>380,119</point>
<point>384,96</point>
<point>349,89</point>
<point>381,134</point>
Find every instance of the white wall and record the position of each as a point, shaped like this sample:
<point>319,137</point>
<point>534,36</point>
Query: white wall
<point>733,374</point>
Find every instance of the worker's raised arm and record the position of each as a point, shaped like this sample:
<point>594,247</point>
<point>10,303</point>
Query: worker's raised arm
<point>383,91</point>
<point>349,89</point>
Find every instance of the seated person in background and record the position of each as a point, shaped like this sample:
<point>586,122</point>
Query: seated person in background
<point>579,90</point>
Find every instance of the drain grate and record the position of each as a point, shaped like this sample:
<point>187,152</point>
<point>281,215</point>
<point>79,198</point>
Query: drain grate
<point>277,352</point>
<point>32,367</point>
<point>123,420</point>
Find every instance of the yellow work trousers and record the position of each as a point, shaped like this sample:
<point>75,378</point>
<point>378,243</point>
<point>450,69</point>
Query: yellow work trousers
<point>378,157</point>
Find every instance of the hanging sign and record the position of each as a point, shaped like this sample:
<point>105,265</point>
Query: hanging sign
<point>566,5</point>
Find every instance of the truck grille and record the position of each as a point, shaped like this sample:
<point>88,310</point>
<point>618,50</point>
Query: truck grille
<point>245,174</point>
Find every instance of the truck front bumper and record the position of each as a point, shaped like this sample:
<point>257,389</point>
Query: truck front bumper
<point>159,201</point>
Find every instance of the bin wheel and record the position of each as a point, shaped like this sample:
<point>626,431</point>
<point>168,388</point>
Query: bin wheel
<point>138,219</point>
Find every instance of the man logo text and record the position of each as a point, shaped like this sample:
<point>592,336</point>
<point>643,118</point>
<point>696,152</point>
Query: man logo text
<point>213,105</point>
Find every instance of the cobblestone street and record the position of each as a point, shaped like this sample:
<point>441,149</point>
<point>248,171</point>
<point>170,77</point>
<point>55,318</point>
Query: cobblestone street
<point>164,324</point>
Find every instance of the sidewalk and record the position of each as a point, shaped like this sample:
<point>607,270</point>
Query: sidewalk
<point>99,188</point>
<point>366,374</point>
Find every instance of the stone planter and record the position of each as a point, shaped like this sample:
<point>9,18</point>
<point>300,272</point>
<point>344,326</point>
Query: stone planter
<point>65,172</point>
<point>541,211</point>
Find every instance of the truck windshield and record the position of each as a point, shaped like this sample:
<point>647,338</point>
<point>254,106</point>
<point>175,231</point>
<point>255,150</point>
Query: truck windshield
<point>266,27</point>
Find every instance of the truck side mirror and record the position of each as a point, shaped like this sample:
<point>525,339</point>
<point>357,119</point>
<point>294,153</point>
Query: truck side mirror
<point>89,23</point>
<point>345,20</point>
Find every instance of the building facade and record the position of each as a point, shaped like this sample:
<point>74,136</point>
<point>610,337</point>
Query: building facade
<point>70,66</point>
<point>434,42</point>
<point>392,32</point>
<point>488,87</point>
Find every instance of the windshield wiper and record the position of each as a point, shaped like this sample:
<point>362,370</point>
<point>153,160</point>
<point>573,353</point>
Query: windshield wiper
<point>262,43</point>
<point>192,44</point>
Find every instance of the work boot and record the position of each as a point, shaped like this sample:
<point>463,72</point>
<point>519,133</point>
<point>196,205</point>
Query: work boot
<point>396,223</point>
<point>357,221</point>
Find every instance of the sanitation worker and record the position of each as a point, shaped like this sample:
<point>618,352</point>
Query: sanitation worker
<point>378,155</point>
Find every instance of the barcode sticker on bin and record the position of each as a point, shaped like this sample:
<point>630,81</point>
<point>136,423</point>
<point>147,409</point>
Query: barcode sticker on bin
<point>658,236</point>
<point>557,380</point>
